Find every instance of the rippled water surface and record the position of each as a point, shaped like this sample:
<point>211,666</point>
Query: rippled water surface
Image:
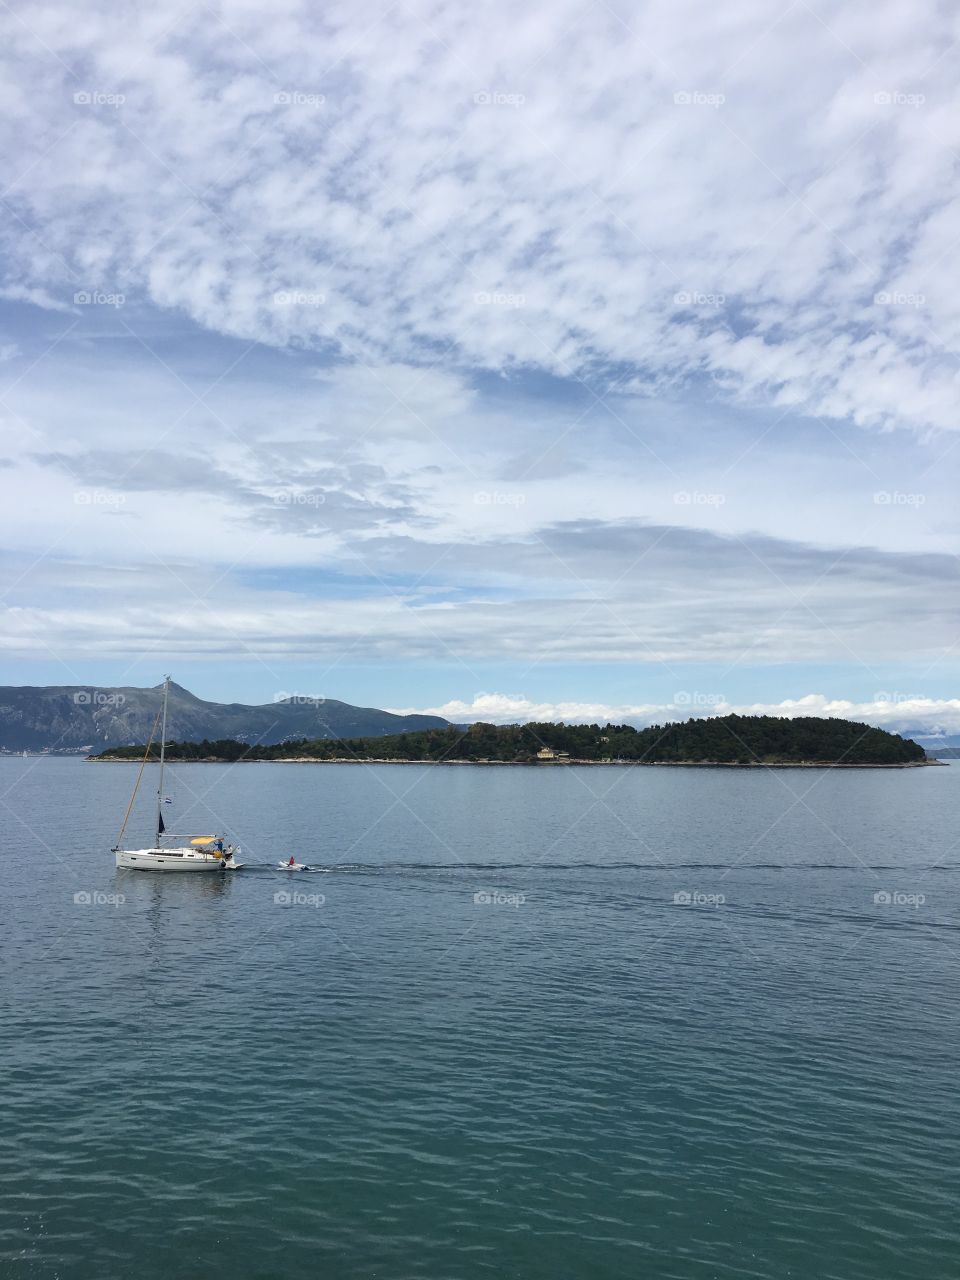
<point>580,1074</point>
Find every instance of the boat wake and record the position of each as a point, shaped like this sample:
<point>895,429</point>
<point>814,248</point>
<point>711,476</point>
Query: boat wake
<point>403,868</point>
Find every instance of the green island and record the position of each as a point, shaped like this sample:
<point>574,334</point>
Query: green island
<point>719,740</point>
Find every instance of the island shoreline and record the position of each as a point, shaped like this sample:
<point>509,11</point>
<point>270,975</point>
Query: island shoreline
<point>545,764</point>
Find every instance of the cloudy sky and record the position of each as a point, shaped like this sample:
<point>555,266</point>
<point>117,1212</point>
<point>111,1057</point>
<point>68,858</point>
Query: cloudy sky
<point>562,359</point>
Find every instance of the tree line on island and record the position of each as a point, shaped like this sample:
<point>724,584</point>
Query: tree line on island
<point>729,739</point>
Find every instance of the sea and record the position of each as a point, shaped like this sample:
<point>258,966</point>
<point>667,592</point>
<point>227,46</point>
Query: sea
<point>548,1022</point>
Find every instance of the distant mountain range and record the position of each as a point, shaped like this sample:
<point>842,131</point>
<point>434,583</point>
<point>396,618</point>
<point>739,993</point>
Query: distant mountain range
<point>75,718</point>
<point>943,746</point>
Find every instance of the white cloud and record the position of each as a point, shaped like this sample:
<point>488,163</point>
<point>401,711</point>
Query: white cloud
<point>580,592</point>
<point>888,710</point>
<point>582,177</point>
<point>400,450</point>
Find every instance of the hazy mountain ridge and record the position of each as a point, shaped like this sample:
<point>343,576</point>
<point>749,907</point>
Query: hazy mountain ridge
<point>69,718</point>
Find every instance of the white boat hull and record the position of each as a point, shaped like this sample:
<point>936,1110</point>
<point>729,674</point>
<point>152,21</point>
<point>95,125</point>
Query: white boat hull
<point>168,860</point>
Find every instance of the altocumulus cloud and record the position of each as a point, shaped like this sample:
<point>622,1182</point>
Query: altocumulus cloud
<point>757,201</point>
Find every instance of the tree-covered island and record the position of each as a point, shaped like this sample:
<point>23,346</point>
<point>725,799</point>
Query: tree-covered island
<point>719,740</point>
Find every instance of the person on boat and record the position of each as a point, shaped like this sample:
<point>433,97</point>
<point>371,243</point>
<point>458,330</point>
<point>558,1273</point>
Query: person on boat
<point>219,845</point>
<point>292,862</point>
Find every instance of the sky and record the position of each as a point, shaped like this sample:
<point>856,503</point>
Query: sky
<point>571,360</point>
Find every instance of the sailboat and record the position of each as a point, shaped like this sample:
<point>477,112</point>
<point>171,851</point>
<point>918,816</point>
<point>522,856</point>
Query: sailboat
<point>202,853</point>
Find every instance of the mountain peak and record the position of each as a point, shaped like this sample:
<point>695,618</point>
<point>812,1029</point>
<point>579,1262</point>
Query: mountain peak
<point>181,691</point>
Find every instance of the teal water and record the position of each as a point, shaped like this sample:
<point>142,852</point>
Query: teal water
<point>581,1077</point>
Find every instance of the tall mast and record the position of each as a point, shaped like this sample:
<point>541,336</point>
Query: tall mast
<point>163,751</point>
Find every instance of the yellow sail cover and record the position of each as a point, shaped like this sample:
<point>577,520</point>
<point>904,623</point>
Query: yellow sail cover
<point>203,839</point>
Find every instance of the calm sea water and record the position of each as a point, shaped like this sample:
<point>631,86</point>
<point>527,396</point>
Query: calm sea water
<point>575,1076</point>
